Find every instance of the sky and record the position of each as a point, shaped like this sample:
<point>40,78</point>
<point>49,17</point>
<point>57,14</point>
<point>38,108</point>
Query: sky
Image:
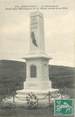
<point>59,30</point>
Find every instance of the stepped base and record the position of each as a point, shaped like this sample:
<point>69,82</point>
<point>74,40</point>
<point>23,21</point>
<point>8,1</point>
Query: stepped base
<point>41,91</point>
<point>42,96</point>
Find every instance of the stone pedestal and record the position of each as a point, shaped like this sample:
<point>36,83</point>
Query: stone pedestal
<point>37,73</point>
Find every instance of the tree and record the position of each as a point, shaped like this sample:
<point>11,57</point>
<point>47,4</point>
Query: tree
<point>8,88</point>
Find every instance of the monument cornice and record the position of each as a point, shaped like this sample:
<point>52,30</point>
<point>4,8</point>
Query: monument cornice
<point>37,56</point>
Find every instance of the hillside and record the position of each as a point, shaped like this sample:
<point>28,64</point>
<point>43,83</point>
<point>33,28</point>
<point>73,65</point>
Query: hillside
<point>16,71</point>
<point>62,76</point>
<point>12,69</point>
<point>12,76</point>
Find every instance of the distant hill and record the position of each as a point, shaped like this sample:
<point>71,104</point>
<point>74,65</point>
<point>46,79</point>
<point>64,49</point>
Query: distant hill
<point>11,70</point>
<point>62,76</point>
<point>61,71</point>
<point>12,76</point>
<point>16,71</point>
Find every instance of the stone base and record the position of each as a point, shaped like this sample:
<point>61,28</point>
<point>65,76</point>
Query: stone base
<point>37,85</point>
<point>42,97</point>
<point>40,89</point>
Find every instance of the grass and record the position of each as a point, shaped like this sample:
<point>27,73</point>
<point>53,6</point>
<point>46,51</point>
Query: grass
<point>41,111</point>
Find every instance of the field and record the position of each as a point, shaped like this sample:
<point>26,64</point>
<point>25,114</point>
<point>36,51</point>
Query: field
<point>28,112</point>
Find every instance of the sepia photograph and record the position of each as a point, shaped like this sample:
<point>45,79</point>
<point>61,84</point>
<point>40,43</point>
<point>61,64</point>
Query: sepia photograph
<point>37,58</point>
